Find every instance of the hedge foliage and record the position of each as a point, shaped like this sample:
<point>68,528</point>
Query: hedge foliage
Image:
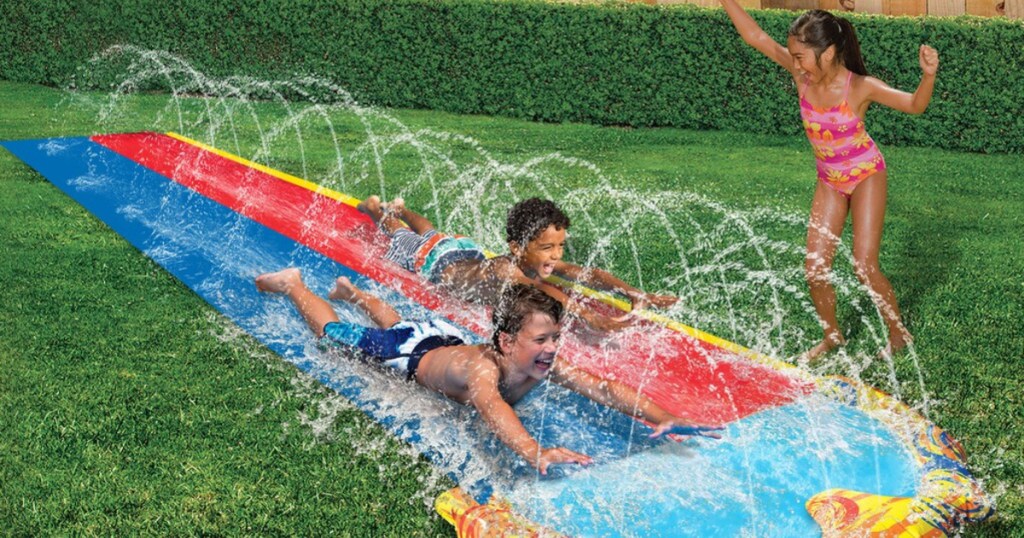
<point>613,64</point>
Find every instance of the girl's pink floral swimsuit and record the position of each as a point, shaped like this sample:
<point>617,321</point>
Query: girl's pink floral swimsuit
<point>845,152</point>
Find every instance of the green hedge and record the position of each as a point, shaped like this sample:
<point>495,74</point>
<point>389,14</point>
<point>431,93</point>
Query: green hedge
<point>611,64</point>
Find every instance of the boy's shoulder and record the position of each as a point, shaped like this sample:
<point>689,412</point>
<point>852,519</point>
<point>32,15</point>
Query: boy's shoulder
<point>484,356</point>
<point>498,269</point>
<point>481,366</point>
<point>470,356</point>
<point>504,268</point>
<point>457,371</point>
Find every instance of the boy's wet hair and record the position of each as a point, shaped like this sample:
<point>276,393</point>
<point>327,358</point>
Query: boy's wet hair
<point>516,304</point>
<point>529,218</point>
<point>819,29</point>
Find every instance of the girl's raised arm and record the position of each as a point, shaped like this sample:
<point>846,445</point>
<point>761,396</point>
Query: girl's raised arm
<point>911,103</point>
<point>754,36</point>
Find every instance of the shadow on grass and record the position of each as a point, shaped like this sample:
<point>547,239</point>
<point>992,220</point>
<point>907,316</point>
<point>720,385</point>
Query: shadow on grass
<point>928,253</point>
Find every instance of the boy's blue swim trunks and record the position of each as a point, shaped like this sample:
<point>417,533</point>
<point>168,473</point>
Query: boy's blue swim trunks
<point>400,346</point>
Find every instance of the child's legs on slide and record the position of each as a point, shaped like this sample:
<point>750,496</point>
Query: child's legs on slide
<point>315,311</point>
<point>379,311</point>
<point>396,344</point>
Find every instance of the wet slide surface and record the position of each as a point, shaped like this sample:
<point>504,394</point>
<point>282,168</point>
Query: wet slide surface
<point>215,224</point>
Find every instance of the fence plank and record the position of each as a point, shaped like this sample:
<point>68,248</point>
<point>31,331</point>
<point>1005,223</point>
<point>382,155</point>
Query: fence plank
<point>1015,9</point>
<point>982,8</point>
<point>946,8</point>
<point>868,6</point>
<point>905,7</point>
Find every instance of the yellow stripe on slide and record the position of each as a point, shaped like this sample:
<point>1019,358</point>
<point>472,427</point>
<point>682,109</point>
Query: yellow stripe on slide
<point>588,292</point>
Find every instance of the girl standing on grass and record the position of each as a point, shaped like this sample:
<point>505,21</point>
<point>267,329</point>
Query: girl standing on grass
<point>823,55</point>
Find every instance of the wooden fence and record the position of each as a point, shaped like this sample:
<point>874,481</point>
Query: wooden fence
<point>935,8</point>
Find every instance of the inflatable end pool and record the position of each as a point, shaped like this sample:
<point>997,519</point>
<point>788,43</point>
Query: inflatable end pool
<point>495,518</point>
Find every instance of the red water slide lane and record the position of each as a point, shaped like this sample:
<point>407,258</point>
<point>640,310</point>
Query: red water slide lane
<point>694,379</point>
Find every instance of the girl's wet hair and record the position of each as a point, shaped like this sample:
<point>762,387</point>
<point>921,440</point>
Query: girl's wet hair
<point>819,29</point>
<point>529,218</point>
<point>516,304</point>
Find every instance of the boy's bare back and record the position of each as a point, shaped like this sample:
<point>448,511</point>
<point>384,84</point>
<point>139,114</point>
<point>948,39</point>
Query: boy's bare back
<point>460,371</point>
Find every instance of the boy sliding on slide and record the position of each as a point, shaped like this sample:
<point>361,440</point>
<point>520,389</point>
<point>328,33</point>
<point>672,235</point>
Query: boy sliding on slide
<point>535,231</point>
<point>490,377</point>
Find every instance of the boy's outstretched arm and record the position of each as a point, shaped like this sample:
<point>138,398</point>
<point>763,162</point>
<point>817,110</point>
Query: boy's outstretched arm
<point>482,381</point>
<point>603,280</point>
<point>595,319</point>
<point>510,273</point>
<point>625,399</point>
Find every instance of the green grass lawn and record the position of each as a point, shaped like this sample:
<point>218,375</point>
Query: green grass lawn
<point>129,406</point>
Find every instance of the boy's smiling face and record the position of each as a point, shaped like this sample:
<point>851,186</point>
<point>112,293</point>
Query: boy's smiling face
<point>531,351</point>
<point>539,256</point>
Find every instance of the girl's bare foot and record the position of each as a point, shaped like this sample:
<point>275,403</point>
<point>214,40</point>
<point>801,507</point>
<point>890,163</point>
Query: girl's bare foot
<point>372,207</point>
<point>898,341</point>
<point>827,344</point>
<point>343,290</point>
<point>279,282</point>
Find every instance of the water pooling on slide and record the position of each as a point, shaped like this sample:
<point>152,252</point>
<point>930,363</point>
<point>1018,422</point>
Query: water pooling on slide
<point>215,231</point>
<point>755,480</point>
